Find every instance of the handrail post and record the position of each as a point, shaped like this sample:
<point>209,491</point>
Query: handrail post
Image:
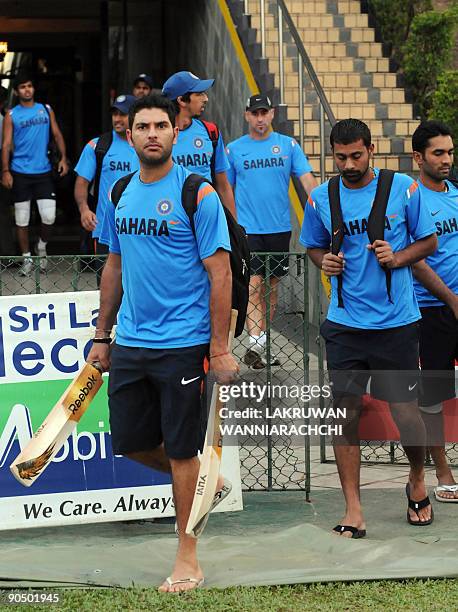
<point>245,7</point>
<point>263,28</point>
<point>301,101</point>
<point>322,146</point>
<point>280,55</point>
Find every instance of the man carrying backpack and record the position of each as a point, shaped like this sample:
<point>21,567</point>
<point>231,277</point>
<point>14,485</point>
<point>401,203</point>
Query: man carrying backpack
<point>171,283</point>
<point>364,229</point>
<point>200,146</point>
<point>103,161</point>
<point>436,288</point>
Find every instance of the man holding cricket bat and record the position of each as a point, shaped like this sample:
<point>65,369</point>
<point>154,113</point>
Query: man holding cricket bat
<point>171,293</point>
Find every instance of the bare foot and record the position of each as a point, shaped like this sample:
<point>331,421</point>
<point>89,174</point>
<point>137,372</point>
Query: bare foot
<point>417,492</point>
<point>181,572</point>
<point>353,519</point>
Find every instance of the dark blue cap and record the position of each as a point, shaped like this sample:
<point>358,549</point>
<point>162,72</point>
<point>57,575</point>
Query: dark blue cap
<point>123,103</point>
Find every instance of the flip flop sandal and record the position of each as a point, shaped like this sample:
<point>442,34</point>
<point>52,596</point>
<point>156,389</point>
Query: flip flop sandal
<point>195,581</point>
<point>416,506</point>
<point>355,532</point>
<point>446,489</point>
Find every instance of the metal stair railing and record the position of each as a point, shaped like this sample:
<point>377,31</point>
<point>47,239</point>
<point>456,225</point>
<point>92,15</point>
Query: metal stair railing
<point>325,110</point>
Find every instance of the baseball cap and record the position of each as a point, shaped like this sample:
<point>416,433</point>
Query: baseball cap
<point>184,82</point>
<point>144,77</point>
<point>123,103</point>
<point>258,101</point>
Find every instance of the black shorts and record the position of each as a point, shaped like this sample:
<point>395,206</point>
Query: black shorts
<point>438,351</point>
<point>154,397</point>
<point>269,243</point>
<point>33,187</point>
<point>389,357</point>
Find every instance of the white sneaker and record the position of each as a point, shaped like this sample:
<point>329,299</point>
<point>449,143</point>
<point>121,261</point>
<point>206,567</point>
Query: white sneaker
<point>41,252</point>
<point>26,267</point>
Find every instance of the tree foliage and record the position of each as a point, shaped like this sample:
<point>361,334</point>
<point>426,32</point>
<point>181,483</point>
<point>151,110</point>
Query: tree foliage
<point>444,100</point>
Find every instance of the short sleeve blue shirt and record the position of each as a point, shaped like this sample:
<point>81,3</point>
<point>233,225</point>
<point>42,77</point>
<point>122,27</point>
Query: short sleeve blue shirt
<point>366,304</point>
<point>30,138</point>
<point>194,150</point>
<point>443,207</point>
<point>166,290</point>
<point>260,171</point>
<point>119,160</point>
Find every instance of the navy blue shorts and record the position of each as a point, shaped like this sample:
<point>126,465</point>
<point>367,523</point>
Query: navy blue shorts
<point>269,243</point>
<point>438,351</point>
<point>33,187</point>
<point>155,397</point>
<point>389,357</point>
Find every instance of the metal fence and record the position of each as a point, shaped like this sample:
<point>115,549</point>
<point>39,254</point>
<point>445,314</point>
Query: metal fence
<point>292,338</point>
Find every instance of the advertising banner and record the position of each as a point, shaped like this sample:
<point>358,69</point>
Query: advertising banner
<point>44,340</point>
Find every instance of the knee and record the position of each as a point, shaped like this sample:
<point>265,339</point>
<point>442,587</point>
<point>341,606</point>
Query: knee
<point>22,213</point>
<point>47,210</point>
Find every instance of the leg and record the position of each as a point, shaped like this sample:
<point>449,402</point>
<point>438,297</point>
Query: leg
<point>434,423</point>
<point>348,459</point>
<point>22,218</point>
<point>407,417</point>
<point>47,210</point>
<point>184,476</point>
<point>255,322</point>
<point>154,458</point>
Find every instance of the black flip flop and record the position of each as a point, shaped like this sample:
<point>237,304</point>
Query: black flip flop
<point>355,532</point>
<point>416,506</point>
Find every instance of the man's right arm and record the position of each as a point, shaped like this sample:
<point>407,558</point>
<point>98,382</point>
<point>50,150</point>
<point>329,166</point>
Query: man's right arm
<point>332,265</point>
<point>110,301</point>
<point>88,218</point>
<point>7,142</point>
<point>435,285</point>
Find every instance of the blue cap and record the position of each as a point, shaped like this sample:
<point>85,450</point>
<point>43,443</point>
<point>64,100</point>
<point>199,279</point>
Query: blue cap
<point>184,82</point>
<point>123,103</point>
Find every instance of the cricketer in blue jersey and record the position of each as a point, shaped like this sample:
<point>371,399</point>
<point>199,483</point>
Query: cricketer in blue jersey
<point>200,149</point>
<point>369,337</point>
<point>436,288</point>
<point>26,168</point>
<point>119,160</point>
<point>261,165</point>
<point>172,293</point>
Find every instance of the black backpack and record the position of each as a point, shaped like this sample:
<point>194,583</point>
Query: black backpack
<point>213,134</point>
<point>240,252</point>
<point>101,149</point>
<point>375,222</point>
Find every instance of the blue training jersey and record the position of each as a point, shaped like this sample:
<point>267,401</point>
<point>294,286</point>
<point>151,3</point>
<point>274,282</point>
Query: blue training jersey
<point>260,172</point>
<point>443,207</point>
<point>31,127</point>
<point>119,160</point>
<point>365,298</point>
<point>166,290</point>
<point>194,150</point>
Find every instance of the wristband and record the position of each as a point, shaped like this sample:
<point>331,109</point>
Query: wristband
<point>4,171</point>
<point>101,340</point>
<point>219,355</point>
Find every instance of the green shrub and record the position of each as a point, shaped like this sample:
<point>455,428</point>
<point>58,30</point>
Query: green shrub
<point>444,100</point>
<point>394,18</point>
<point>427,53</point>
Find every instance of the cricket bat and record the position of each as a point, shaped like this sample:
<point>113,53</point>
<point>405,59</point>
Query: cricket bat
<point>58,425</point>
<point>210,460</point>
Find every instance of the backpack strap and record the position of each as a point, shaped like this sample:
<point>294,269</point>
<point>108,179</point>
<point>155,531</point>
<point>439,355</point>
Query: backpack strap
<point>101,149</point>
<point>213,134</point>
<point>119,188</point>
<point>189,193</point>
<point>337,227</point>
<point>376,220</point>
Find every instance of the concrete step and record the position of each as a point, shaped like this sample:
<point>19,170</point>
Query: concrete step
<point>361,95</point>
<point>398,163</point>
<point>383,146</point>
<point>388,128</point>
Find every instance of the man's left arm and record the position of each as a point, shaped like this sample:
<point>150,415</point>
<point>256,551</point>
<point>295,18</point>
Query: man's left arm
<point>224,189</point>
<point>219,273</point>
<point>62,167</point>
<point>308,182</point>
<point>435,285</point>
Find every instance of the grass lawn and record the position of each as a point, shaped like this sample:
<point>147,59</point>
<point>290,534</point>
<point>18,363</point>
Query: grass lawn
<point>414,595</point>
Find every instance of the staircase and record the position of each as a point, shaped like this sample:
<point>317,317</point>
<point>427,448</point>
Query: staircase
<point>353,71</point>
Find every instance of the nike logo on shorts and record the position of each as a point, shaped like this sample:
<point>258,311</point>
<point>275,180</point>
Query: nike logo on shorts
<point>186,382</point>
<point>412,387</point>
